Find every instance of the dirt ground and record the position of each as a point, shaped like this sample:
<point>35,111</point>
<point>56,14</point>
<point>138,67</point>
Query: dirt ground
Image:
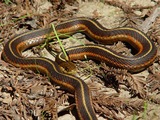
<point>117,94</point>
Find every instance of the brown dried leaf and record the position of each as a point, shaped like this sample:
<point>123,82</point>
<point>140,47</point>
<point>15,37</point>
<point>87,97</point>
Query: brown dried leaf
<point>114,107</point>
<point>153,82</point>
<point>137,86</point>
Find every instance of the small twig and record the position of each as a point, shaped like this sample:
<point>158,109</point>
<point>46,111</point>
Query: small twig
<point>146,25</point>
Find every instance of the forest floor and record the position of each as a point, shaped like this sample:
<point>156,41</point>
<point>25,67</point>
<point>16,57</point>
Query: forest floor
<point>117,94</point>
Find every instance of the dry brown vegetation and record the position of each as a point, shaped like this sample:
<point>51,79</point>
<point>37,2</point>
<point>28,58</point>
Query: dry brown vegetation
<point>117,94</point>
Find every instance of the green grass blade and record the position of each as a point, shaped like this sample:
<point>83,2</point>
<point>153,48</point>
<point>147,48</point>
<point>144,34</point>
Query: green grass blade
<point>60,43</point>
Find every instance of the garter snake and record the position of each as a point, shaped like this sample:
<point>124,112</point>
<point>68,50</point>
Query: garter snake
<point>146,54</point>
